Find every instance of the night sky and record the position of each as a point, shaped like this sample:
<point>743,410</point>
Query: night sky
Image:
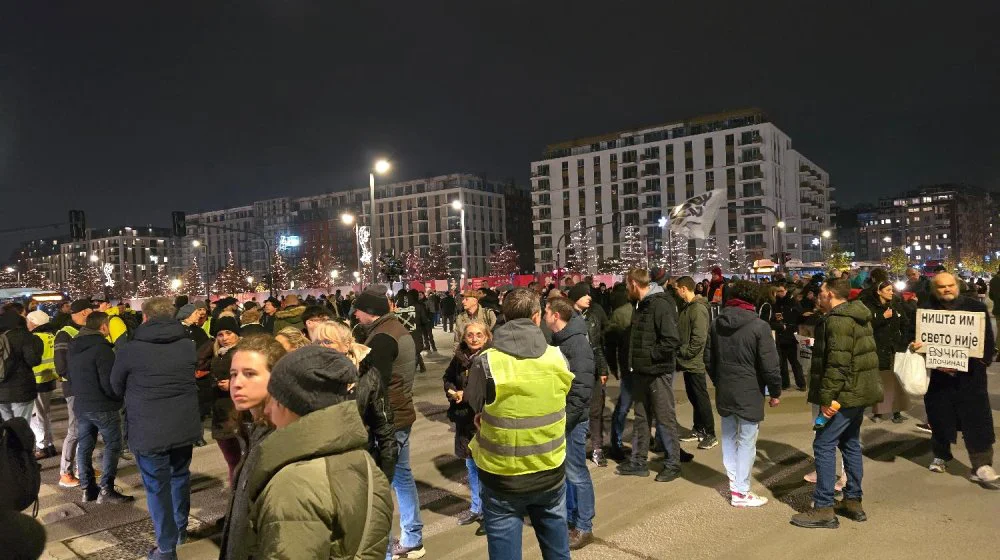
<point>128,111</point>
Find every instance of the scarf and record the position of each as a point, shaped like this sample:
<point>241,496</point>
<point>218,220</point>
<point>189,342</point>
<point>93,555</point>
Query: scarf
<point>741,304</point>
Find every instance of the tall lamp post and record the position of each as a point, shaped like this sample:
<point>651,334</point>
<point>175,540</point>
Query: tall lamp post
<point>779,243</point>
<point>457,205</point>
<point>196,244</point>
<point>819,241</point>
<point>349,219</point>
<point>381,167</point>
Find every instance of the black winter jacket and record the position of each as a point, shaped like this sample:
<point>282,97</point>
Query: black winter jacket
<point>373,405</point>
<point>155,374</point>
<point>791,314</point>
<point>25,353</point>
<point>893,334</point>
<point>91,358</point>
<point>448,305</point>
<point>455,378</point>
<point>596,321</point>
<point>572,342</point>
<point>653,339</point>
<point>744,362</point>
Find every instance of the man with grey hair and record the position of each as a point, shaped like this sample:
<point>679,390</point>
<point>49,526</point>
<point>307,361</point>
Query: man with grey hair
<point>155,375</point>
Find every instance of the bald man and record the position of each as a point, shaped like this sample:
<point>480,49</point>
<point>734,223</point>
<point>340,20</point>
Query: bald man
<point>960,399</point>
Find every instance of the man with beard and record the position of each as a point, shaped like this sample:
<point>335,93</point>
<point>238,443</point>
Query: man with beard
<point>960,400</point>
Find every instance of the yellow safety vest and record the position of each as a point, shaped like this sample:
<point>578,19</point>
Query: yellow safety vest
<point>523,430</point>
<point>46,371</point>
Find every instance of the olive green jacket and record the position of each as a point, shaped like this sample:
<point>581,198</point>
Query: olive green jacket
<point>845,361</point>
<point>315,492</point>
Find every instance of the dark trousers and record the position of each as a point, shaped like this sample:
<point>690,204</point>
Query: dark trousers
<point>620,414</point>
<point>597,404</point>
<point>428,332</point>
<point>789,352</point>
<point>448,322</point>
<point>88,425</point>
<point>654,397</point>
<point>697,392</point>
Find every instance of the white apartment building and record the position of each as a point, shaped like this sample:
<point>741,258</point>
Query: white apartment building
<point>213,244</point>
<point>643,173</point>
<point>417,214</point>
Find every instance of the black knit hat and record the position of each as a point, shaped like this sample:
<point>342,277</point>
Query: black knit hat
<point>226,323</point>
<point>311,378</point>
<point>579,290</point>
<point>373,301</point>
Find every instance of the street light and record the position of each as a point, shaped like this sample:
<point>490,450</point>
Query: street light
<point>826,234</point>
<point>94,258</point>
<point>381,167</point>
<point>175,283</point>
<point>196,243</point>
<point>781,224</point>
<point>457,205</point>
<point>333,274</point>
<point>349,219</point>
<point>887,239</point>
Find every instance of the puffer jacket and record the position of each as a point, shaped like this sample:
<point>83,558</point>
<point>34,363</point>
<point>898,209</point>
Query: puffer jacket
<point>692,328</point>
<point>744,361</point>
<point>572,342</point>
<point>289,317</point>
<point>653,339</point>
<point>891,335</point>
<point>315,489</point>
<point>25,353</point>
<point>845,361</point>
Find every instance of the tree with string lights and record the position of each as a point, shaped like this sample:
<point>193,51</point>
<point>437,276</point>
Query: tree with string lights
<point>580,255</point>
<point>280,274</point>
<point>232,279</point>
<point>436,263</point>
<point>504,261</point>
<point>679,261</point>
<point>708,255</point>
<point>33,278</point>
<point>739,258</point>
<point>84,280</point>
<point>8,278</point>
<point>413,265</point>
<point>633,250</point>
<point>155,285</point>
<point>191,282</point>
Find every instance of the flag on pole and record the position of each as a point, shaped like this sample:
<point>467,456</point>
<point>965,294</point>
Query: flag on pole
<point>695,216</point>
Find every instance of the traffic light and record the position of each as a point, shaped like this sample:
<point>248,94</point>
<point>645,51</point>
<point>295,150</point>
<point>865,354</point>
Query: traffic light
<point>180,226</point>
<point>77,225</point>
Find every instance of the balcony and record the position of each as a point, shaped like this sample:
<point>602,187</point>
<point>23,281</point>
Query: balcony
<point>751,139</point>
<point>752,159</point>
<point>650,187</point>
<point>752,228</point>
<point>648,157</point>
<point>649,170</point>
<point>628,163</point>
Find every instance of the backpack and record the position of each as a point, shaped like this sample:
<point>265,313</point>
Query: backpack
<point>4,356</point>
<point>19,470</point>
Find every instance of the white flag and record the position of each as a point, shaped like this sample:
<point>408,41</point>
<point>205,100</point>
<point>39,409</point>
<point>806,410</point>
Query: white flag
<point>695,216</point>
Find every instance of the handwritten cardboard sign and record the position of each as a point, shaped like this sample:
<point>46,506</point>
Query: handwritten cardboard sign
<point>950,338</point>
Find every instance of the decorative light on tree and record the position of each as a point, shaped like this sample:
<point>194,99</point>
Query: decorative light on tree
<point>84,280</point>
<point>232,279</point>
<point>633,250</point>
<point>679,261</point>
<point>708,255</point>
<point>612,265</point>
<point>580,255</point>
<point>504,261</point>
<point>33,278</point>
<point>280,274</point>
<point>8,277</point>
<point>307,275</point>
<point>191,282</point>
<point>739,259</point>
<point>413,266</point>
<point>436,263</point>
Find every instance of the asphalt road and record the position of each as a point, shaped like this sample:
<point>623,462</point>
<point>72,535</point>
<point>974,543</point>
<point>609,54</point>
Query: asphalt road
<point>912,512</point>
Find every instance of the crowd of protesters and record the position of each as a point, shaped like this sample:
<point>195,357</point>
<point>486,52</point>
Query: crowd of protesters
<point>310,401</point>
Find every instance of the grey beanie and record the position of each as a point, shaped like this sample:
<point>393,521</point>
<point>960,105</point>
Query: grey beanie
<point>311,378</point>
<point>185,311</point>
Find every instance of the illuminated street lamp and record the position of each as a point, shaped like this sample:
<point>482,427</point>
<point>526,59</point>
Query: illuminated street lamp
<point>175,284</point>
<point>457,205</point>
<point>349,219</point>
<point>826,234</point>
<point>196,243</point>
<point>94,258</point>
<point>381,167</point>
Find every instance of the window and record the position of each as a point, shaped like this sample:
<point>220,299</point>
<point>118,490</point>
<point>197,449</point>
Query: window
<point>597,169</point>
<point>597,200</point>
<point>630,173</point>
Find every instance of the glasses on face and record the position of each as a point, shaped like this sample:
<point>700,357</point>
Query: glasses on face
<point>475,335</point>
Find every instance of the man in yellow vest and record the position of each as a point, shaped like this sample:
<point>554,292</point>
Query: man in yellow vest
<point>45,380</point>
<point>518,389</point>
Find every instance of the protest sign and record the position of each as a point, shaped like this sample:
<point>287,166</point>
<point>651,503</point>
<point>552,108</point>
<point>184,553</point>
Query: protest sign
<point>950,338</point>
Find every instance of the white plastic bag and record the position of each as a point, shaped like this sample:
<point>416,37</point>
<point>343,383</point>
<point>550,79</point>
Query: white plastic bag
<point>912,373</point>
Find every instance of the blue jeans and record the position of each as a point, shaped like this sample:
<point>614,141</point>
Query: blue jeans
<point>843,431</point>
<point>579,487</point>
<point>88,425</point>
<point>503,518</point>
<point>411,527</point>
<point>474,487</point>
<point>620,415</point>
<point>167,478</point>
<point>10,410</point>
<point>739,450</point>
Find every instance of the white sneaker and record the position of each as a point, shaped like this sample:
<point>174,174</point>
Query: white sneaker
<point>746,500</point>
<point>937,465</point>
<point>986,476</point>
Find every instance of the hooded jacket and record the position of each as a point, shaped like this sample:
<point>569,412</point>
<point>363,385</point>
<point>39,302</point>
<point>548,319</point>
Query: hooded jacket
<point>91,358</point>
<point>744,361</point>
<point>289,317</point>
<point>653,339</point>
<point>891,335</point>
<point>692,329</point>
<point>572,342</point>
<point>25,353</point>
<point>522,339</point>
<point>316,492</point>
<point>155,375</point>
<point>844,364</point>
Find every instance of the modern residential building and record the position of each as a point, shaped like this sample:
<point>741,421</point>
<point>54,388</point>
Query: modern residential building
<point>644,173</point>
<point>410,215</point>
<point>852,231</point>
<point>132,252</point>
<point>934,222</point>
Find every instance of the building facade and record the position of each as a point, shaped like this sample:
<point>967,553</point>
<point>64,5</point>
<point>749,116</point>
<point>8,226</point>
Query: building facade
<point>642,174</point>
